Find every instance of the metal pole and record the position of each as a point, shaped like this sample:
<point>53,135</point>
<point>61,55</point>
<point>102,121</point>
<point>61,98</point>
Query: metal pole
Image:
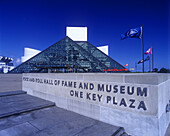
<point>136,66</point>
<point>149,63</point>
<point>142,49</point>
<point>152,59</point>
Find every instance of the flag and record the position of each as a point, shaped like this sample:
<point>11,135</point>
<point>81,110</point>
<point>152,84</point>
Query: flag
<point>149,51</point>
<point>141,61</point>
<point>126,65</point>
<point>147,58</point>
<point>132,33</point>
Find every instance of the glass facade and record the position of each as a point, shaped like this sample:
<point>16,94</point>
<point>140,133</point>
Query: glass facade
<point>69,56</point>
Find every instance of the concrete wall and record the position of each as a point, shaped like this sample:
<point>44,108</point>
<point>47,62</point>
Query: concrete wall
<point>10,82</point>
<point>136,102</point>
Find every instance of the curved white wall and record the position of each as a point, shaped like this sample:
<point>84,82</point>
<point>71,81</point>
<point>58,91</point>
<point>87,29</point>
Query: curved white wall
<point>29,53</point>
<point>104,49</point>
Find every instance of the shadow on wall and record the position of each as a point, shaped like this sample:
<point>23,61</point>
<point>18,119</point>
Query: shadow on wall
<point>10,82</point>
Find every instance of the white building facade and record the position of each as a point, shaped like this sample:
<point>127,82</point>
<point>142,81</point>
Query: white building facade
<point>5,64</point>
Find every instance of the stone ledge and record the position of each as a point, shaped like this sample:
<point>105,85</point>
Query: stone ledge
<point>21,103</point>
<point>2,94</point>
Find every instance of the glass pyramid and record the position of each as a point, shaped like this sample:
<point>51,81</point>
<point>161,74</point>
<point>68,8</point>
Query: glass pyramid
<point>69,56</point>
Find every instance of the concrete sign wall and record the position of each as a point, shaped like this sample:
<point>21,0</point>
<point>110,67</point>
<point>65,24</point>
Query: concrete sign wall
<point>136,102</point>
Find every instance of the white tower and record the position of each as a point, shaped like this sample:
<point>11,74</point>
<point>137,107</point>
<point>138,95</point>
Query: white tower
<point>77,33</point>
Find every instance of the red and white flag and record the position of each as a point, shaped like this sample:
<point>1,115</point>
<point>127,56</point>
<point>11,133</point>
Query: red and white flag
<point>149,51</point>
<point>141,61</point>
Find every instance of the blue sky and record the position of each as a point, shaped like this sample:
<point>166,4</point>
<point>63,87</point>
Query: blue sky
<point>40,23</point>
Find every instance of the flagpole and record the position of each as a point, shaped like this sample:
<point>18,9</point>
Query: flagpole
<point>136,66</point>
<point>142,49</point>
<point>149,63</point>
<point>152,59</point>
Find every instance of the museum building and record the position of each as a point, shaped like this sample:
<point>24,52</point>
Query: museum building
<point>70,56</point>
